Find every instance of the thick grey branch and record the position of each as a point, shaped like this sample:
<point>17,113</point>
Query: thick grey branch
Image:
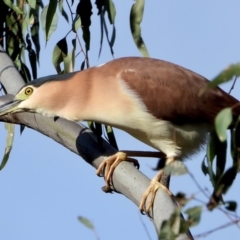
<point>126,178</point>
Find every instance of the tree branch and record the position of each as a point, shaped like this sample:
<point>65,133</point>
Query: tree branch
<point>77,138</point>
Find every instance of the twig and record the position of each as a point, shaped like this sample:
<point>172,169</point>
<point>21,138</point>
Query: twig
<point>145,228</point>
<point>69,7</point>
<point>216,229</point>
<point>197,184</point>
<point>81,50</point>
<point>232,87</point>
<point>227,214</point>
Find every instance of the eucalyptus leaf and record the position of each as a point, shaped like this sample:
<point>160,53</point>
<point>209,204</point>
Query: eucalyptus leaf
<point>231,205</point>
<point>60,51</point>
<point>111,136</point>
<point>76,23</point>
<point>62,11</point>
<point>222,123</point>
<point>226,75</point>
<point>84,10</point>
<point>194,215</point>
<point>173,227</point>
<point>51,11</point>
<point>86,222</point>
<point>226,180</point>
<point>69,61</point>
<point>136,16</point>
<point>14,7</point>
<point>49,21</point>
<point>35,38</point>
<point>9,142</point>
<point>111,10</point>
<point>32,3</point>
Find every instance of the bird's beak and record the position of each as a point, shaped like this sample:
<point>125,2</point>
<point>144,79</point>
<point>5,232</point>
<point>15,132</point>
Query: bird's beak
<point>10,107</point>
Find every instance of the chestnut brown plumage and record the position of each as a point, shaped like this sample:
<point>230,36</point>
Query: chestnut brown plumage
<point>155,101</point>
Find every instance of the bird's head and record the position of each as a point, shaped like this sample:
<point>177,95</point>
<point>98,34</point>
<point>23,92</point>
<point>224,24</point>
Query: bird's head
<point>33,97</point>
<point>21,102</point>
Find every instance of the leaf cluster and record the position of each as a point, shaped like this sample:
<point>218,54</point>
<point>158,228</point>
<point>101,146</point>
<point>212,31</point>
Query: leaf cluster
<point>220,176</point>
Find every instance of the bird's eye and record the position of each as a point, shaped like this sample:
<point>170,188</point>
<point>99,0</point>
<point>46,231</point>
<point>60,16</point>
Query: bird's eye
<point>28,91</point>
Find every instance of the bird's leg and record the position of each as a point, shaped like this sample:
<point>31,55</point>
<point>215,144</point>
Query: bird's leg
<point>108,165</point>
<point>155,184</point>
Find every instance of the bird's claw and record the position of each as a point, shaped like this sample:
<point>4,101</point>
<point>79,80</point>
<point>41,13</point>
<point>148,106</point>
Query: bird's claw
<point>152,189</point>
<point>108,166</point>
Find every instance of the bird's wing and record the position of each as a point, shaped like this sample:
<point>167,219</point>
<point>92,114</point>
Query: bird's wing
<point>171,92</point>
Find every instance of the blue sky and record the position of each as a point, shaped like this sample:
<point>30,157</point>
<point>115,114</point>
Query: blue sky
<point>45,187</point>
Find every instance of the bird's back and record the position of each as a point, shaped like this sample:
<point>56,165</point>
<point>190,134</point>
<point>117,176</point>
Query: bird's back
<point>169,91</point>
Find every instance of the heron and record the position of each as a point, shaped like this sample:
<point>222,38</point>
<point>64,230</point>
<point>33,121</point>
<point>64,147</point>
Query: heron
<point>155,101</point>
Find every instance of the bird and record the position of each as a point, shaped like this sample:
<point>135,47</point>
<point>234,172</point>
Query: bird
<point>155,101</point>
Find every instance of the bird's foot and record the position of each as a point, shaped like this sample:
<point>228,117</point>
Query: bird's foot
<point>152,189</point>
<point>108,166</point>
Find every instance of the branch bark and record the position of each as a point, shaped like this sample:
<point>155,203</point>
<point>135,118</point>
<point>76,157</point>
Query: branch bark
<point>77,138</point>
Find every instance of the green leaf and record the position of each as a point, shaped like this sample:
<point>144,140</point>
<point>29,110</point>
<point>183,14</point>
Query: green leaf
<point>181,198</point>
<point>111,10</point>
<point>86,222</point>
<point>211,149</point>
<point>102,22</point>
<point>61,10</point>
<point>11,20</point>
<point>50,15</point>
<point>24,70</point>
<point>231,205</point>
<point>35,38</point>
<point>111,136</point>
<point>24,25</point>
<point>221,158</point>
<point>226,75</point>
<point>32,57</point>
<point>110,42</point>
<point>97,129</point>
<point>99,5</point>
<point>222,122</point>
<point>84,10</point>
<point>32,3</point>
<point>49,20</point>
<point>204,167</point>
<point>236,138</point>
<point>166,232</point>
<point>15,8</point>
<point>218,149</point>
<point>82,65</point>
<point>13,47</point>
<point>136,16</point>
<point>226,181</point>
<point>76,23</point>
<point>33,62</point>
<point>194,215</point>
<point>211,172</point>
<point>69,61</point>
<point>40,3</point>
<point>9,142</point>
<point>173,227</point>
<point>60,51</point>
